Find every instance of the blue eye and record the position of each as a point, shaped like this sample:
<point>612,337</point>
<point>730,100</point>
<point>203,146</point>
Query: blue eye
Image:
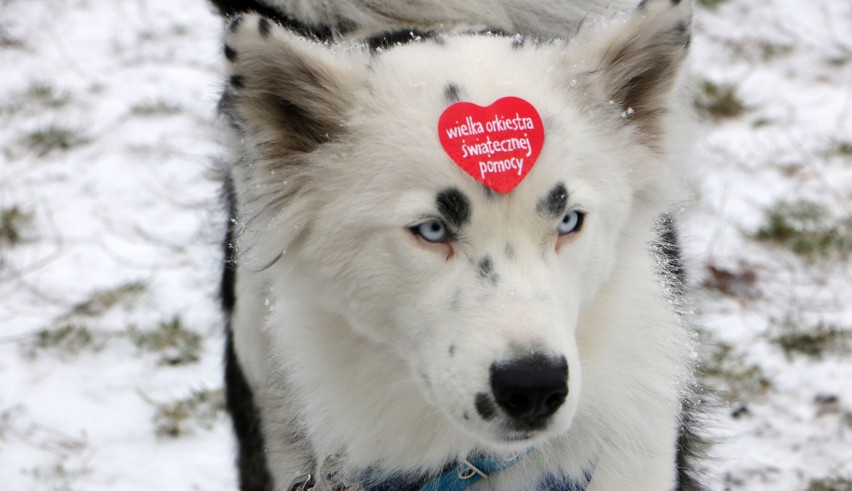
<point>571,222</point>
<point>433,230</point>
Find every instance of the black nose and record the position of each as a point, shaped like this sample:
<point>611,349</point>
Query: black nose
<point>532,388</point>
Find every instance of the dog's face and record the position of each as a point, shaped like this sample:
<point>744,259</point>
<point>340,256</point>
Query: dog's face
<point>479,291</point>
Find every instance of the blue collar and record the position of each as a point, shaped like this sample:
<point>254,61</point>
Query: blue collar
<point>464,475</point>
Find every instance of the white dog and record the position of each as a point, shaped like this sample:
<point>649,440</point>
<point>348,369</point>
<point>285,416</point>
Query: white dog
<point>445,257</point>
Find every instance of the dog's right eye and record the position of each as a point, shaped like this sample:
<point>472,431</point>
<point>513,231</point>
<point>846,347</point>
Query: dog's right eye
<point>433,230</point>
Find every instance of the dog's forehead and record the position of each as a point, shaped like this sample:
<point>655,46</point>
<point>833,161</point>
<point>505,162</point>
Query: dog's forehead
<point>411,86</point>
<point>396,125</point>
<point>472,68</point>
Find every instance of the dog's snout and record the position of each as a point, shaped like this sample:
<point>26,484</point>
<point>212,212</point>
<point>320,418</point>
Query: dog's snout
<point>532,388</point>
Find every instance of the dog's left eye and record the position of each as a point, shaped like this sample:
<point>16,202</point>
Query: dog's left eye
<point>571,222</point>
<point>433,230</point>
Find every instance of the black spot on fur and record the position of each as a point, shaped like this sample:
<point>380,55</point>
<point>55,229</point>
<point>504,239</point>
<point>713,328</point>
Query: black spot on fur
<point>235,23</point>
<point>263,27</point>
<point>230,8</point>
<point>237,81</point>
<point>486,266</point>
<point>740,411</point>
<point>451,93</point>
<point>510,251</point>
<point>485,271</point>
<point>452,350</point>
<point>230,54</point>
<point>466,416</point>
<point>455,305</point>
<point>485,406</point>
<point>518,41</point>
<point>454,207</point>
<point>387,40</point>
<point>553,205</point>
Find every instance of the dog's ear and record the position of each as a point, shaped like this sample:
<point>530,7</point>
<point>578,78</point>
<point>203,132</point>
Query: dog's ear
<point>635,62</point>
<point>287,94</point>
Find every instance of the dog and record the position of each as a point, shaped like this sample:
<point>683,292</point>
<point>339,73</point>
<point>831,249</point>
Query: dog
<point>450,262</point>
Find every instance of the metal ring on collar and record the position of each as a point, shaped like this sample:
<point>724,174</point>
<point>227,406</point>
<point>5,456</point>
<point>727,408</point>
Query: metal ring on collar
<point>303,483</point>
<point>471,470</point>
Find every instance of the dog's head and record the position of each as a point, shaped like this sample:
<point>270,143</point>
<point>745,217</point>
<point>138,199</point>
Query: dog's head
<point>479,291</point>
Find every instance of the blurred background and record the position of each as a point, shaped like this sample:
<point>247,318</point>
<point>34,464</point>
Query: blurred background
<point>110,225</point>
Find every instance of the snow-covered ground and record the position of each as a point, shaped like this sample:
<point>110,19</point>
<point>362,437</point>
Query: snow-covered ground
<point>110,223</point>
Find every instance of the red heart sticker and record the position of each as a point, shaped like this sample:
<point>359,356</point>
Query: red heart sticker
<point>497,145</point>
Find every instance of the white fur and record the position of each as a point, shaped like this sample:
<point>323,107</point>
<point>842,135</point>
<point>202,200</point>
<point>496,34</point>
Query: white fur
<point>345,338</point>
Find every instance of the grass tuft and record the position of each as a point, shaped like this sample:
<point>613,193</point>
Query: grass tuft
<point>12,221</point>
<point>39,96</point>
<point>155,108</point>
<point>839,148</point>
<point>830,484</point>
<point>734,283</point>
<point>711,4</point>
<point>719,101</point>
<point>814,342</point>
<point>46,96</point>
<point>769,50</point>
<point>176,344</point>
<point>729,371</point>
<point>72,334</point>
<point>5,421</point>
<point>68,340</point>
<point>201,408</point>
<point>53,138</point>
<point>838,60</point>
<point>806,229</point>
<point>102,300</point>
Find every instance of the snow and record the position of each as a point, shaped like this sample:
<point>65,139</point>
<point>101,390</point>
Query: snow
<point>137,201</point>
